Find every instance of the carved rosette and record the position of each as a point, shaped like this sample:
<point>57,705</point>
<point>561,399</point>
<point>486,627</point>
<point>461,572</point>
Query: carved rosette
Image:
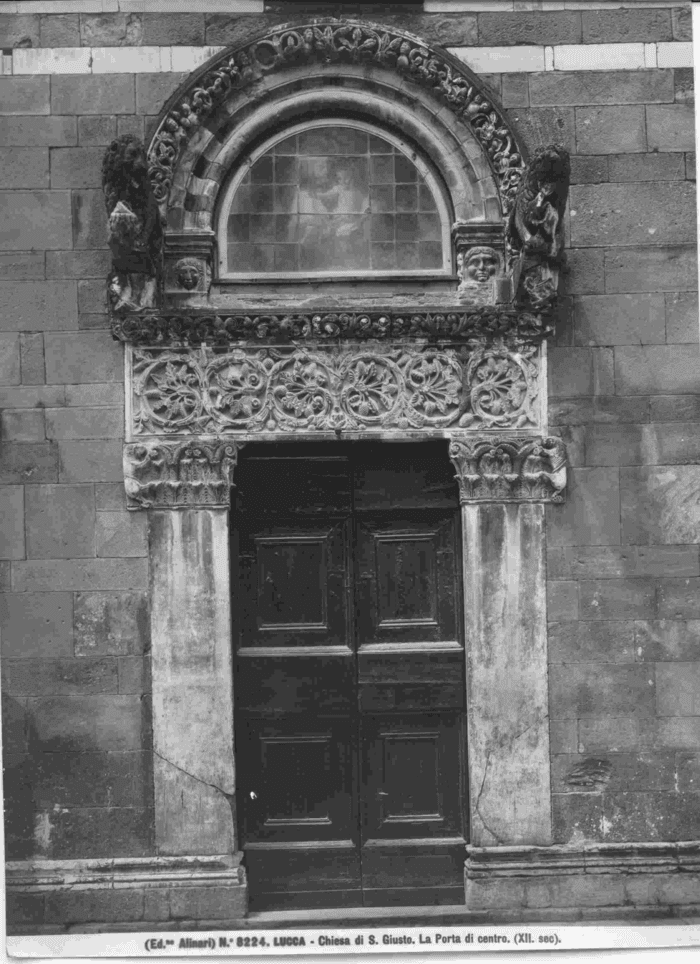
<point>500,469</point>
<point>250,390</point>
<point>179,475</point>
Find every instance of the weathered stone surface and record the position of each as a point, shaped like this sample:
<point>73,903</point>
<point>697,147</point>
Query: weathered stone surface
<point>152,90</point>
<point>678,598</point>
<point>60,521</point>
<point>59,575</point>
<point>111,30</point>
<point>20,30</point>
<point>18,131</point>
<point>215,903</point>
<point>192,707</point>
<point>580,371</point>
<point>647,167</point>
<point>89,222</point>
<point>618,599</point>
<point>12,522</point>
<point>632,772</point>
<point>660,504</point>
<point>97,129</point>
<point>83,357</point>
<point>644,213</point>
<point>37,305</point>
<point>24,167</point>
<point>21,265</point>
<point>105,722</point>
<point>60,30</point>
<point>24,462</point>
<point>533,27</point>
<point>60,677</point>
<point>22,425</point>
<point>626,26</point>
<point>77,264</point>
<point>682,317</point>
<point>32,397</point>
<point>119,831</point>
<point>93,322</point>
<point>611,641</point>
<point>121,534</point>
<point>620,816</point>
<point>589,169</point>
<point>84,423</point>
<point>76,167</point>
<point>133,124</point>
<point>111,624</point>
<point>670,268</point>
<point>629,319</point>
<point>591,514</point>
<point>110,497</point>
<point>581,690</point>
<point>9,359</point>
<point>541,126</point>
<point>516,90</point>
<point>113,778</point>
<point>609,130</point>
<point>583,88</point>
<point>678,689</point>
<point>32,359</point>
<point>670,127</point>
<point>667,639</point>
<point>25,95</point>
<point>36,624</point>
<point>96,395</point>
<point>674,444</point>
<point>684,85</point>
<point>94,905</point>
<point>688,771</point>
<point>134,674</point>
<point>562,600</point>
<point>563,736</point>
<point>626,734</point>
<point>105,94</point>
<point>92,296</point>
<point>584,272</point>
<point>682,23</point>
<point>613,562</point>
<point>509,747</point>
<point>91,460</point>
<point>610,409</point>
<point>675,408</point>
<point>34,219</point>
<point>655,370</point>
<point>165,30</point>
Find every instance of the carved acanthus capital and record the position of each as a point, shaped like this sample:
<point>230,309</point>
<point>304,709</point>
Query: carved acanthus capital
<point>179,475</point>
<point>524,469</point>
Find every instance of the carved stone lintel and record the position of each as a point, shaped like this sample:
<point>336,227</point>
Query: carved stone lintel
<point>179,475</point>
<point>518,469</point>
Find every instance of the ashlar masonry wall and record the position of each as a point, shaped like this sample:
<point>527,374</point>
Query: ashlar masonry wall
<point>622,553</point>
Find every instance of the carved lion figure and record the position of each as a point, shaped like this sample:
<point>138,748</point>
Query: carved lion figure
<point>135,236</point>
<point>536,221</point>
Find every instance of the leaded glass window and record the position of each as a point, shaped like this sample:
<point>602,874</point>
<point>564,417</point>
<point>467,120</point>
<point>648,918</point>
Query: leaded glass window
<point>334,198</point>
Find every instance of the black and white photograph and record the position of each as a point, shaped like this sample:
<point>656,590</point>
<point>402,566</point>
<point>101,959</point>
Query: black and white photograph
<point>349,478</point>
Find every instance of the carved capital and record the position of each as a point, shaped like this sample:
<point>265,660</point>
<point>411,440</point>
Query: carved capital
<point>179,475</point>
<point>492,469</point>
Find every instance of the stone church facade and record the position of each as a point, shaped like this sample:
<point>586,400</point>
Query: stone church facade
<point>349,477</point>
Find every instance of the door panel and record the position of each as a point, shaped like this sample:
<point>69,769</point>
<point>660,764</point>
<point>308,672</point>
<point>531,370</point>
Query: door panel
<point>349,685</point>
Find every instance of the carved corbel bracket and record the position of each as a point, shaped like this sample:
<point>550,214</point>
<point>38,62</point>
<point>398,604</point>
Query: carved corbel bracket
<point>179,475</point>
<point>480,250</point>
<point>516,469</point>
<point>188,264</point>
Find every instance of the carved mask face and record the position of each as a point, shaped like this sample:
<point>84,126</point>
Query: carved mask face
<point>188,275</point>
<point>481,264</point>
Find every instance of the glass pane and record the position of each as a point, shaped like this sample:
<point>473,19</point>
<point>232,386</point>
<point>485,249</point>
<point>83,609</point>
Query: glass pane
<point>333,198</point>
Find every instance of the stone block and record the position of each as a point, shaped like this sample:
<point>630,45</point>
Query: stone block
<point>610,641</point>
<point>61,575</point>
<point>670,127</point>
<point>688,772</point>
<point>27,462</point>
<point>31,131</point>
<point>110,497</point>
<point>532,27</point>
<point>682,23</point>
<point>675,408</point>
<point>618,598</point>
<point>24,908</point>
<point>91,460</point>
<point>585,88</point>
<point>32,396</point>
<point>121,534</point>
<point>92,296</point>
<point>153,90</point>
<point>576,816</point>
<point>25,95</point>
<point>572,436</point>
<point>36,624</point>
<point>647,167</point>
<point>90,723</point>
<point>12,522</point>
<point>133,124</point>
<point>591,514</point>
<point>516,90</point>
<point>589,169</point>
<point>580,371</point>
<point>584,273</point>
<point>678,689</point>
<point>660,505</point>
<point>210,903</point>
<point>60,30</point>
<point>119,831</point>
<point>60,521</point>
<point>614,562</point>
<point>20,30</point>
<point>107,395</point>
<point>94,905</point>
<point>541,126</point>
<point>224,29</point>
<point>38,305</point>
<point>78,264</point>
<point>104,94</point>
<point>610,409</point>
<point>641,214</point>
<point>60,677</point>
<point>9,359</point>
<point>670,444</point>
<point>580,690</point>
<point>624,319</point>
<point>84,423</point>
<point>97,130</point>
<point>563,736</point>
<point>678,598</point>
<point>671,268</point>
<point>111,624</point>
<point>682,317</point>
<point>116,779</point>
<point>111,30</point>
<point>562,600</point>
<point>5,577</point>
<point>134,674</point>
<point>34,219</point>
<point>655,370</point>
<point>169,29</point>
<point>21,265</point>
<point>32,359</point>
<point>610,130</point>
<point>22,425</point>
<point>89,220</point>
<point>76,167</point>
<point>626,26</point>
<point>93,322</point>
<point>661,640</point>
<point>83,357</point>
<point>24,167</point>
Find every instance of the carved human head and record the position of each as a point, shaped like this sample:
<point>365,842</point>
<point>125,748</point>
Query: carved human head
<point>188,272</point>
<point>480,264</point>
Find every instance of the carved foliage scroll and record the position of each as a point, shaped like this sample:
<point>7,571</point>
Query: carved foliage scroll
<point>526,469</point>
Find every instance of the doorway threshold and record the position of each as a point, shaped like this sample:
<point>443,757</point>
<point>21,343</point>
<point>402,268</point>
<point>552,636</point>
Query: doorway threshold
<point>371,916</point>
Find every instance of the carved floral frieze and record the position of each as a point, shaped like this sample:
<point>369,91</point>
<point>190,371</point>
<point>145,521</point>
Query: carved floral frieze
<point>525,469</point>
<point>281,389</point>
<point>161,474</point>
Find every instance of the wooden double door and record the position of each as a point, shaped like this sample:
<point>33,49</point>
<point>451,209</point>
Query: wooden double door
<point>349,675</point>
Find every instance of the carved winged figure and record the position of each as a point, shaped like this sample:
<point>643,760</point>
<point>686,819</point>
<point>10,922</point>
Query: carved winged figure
<point>135,235</point>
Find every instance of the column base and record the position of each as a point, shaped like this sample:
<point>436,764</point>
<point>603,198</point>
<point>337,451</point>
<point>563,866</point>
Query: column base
<point>139,893</point>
